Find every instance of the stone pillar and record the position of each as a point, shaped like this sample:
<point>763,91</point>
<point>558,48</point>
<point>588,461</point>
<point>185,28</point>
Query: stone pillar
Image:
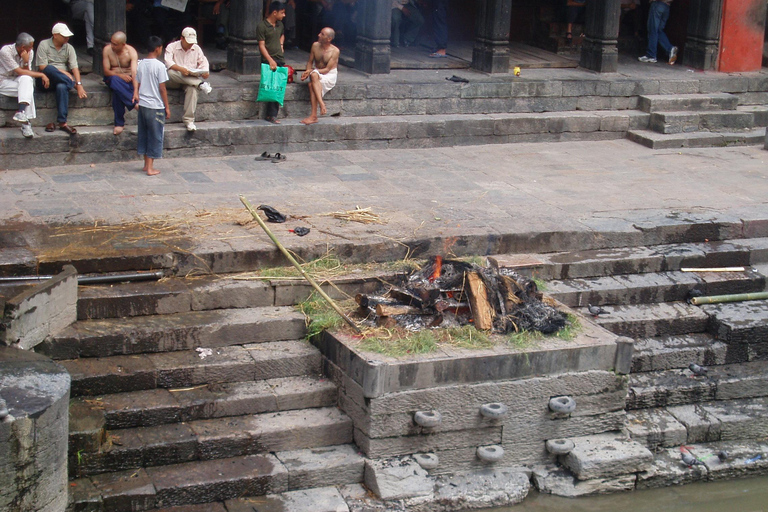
<point>108,18</point>
<point>374,22</point>
<point>491,51</point>
<point>703,39</point>
<point>600,48</point>
<point>243,54</point>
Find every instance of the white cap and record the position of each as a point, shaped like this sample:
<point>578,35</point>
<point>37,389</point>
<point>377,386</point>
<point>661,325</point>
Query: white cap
<point>189,35</point>
<point>63,29</point>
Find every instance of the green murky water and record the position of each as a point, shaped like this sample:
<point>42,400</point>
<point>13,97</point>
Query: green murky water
<point>743,495</point>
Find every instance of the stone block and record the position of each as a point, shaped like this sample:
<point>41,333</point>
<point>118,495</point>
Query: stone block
<point>218,480</point>
<point>667,352</point>
<point>325,466</point>
<point>656,428</point>
<point>188,368</point>
<point>41,311</point>
<point>668,388</point>
<point>646,320</point>
<point>396,479</point>
<point>405,445</point>
<point>284,359</point>
<point>323,499</point>
<point>701,426</point>
<point>228,293</point>
<point>740,420</point>
<point>483,488</point>
<point>606,456</point>
<point>560,482</point>
<point>126,491</point>
<point>132,299</point>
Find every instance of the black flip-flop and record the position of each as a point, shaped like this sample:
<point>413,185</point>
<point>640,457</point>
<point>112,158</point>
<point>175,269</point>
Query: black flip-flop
<point>265,157</point>
<point>279,157</point>
<point>458,79</point>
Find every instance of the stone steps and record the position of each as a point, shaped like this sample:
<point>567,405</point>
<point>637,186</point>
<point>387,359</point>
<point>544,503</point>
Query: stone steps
<point>688,102</point>
<point>224,138</point>
<point>651,287</point>
<point>160,406</point>
<point>216,438</point>
<point>638,259</point>
<point>678,387</point>
<point>712,121</point>
<point>649,320</point>
<point>679,351</point>
<point>211,481</point>
<point>174,332</point>
<point>183,369</point>
<point>653,140</point>
<point>703,422</point>
<point>180,295</point>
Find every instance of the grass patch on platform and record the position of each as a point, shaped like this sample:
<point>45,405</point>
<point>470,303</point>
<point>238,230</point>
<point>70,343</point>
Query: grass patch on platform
<point>400,342</point>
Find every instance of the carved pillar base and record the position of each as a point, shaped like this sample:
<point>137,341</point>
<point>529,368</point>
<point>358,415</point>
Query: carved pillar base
<point>600,55</point>
<point>703,39</point>
<point>600,49</point>
<point>243,56</point>
<point>491,57</point>
<point>491,51</point>
<point>372,56</point>
<point>374,21</point>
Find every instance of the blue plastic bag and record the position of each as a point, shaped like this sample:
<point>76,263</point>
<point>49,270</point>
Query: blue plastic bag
<point>273,83</point>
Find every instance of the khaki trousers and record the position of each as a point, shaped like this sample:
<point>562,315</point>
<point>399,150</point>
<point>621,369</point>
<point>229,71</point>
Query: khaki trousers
<point>189,83</point>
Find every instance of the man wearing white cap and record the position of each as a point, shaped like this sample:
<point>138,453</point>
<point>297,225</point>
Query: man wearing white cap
<point>17,79</point>
<point>56,58</point>
<point>185,62</point>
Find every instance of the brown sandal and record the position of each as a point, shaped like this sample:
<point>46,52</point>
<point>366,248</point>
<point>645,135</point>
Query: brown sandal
<point>50,127</point>
<point>68,129</point>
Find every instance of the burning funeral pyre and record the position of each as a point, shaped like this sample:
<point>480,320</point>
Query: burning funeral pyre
<point>449,293</point>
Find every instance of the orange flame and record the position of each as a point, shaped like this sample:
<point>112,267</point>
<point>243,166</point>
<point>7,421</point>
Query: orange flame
<point>438,268</point>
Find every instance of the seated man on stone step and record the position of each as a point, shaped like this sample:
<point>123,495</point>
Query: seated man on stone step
<point>119,61</point>
<point>322,70</point>
<point>17,79</point>
<point>56,58</point>
<point>186,67</point>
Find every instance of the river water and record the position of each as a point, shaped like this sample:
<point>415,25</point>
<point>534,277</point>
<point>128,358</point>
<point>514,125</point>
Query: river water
<point>742,495</point>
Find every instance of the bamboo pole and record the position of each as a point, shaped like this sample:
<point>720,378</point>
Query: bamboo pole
<point>734,297</point>
<point>298,267</point>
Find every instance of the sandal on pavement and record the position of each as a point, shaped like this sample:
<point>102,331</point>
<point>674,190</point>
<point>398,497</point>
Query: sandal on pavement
<point>265,156</point>
<point>279,157</point>
<point>50,127</point>
<point>68,129</point>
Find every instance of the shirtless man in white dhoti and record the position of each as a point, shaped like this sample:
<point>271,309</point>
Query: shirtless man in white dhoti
<point>321,71</point>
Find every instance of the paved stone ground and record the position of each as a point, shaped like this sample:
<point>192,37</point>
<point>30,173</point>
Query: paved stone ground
<point>441,192</point>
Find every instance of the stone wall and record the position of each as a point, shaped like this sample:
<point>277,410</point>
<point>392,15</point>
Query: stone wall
<point>387,400</point>
<point>34,433</point>
<point>40,311</point>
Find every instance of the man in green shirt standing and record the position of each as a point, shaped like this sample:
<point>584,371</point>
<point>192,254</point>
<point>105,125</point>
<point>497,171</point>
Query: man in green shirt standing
<point>270,34</point>
<point>56,58</point>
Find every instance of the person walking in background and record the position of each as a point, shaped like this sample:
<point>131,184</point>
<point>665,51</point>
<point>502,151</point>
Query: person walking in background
<point>574,11</point>
<point>658,14</point>
<point>271,36</point>
<point>17,79</point>
<point>187,69</point>
<point>150,93</point>
<point>83,10</point>
<point>440,28</point>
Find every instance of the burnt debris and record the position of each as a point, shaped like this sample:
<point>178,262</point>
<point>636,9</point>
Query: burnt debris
<point>451,293</point>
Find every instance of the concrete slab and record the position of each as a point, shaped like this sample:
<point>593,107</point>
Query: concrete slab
<point>606,456</point>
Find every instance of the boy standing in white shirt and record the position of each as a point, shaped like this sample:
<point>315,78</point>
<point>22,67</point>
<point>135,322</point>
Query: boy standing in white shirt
<point>152,96</point>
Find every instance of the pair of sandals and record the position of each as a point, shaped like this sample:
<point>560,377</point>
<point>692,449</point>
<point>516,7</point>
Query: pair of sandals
<point>51,127</point>
<point>276,158</point>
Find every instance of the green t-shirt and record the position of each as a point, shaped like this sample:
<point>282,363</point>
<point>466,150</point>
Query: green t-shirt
<point>271,37</point>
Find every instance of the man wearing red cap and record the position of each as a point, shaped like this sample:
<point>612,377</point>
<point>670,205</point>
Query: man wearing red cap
<point>56,59</point>
<point>185,62</point>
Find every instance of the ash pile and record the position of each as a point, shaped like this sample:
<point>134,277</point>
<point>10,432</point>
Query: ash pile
<point>448,293</point>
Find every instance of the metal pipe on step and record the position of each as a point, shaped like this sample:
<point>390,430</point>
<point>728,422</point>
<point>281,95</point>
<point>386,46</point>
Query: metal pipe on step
<point>99,279</point>
<point>734,297</point>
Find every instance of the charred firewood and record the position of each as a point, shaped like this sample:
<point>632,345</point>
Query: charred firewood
<point>399,309</point>
<point>406,297</point>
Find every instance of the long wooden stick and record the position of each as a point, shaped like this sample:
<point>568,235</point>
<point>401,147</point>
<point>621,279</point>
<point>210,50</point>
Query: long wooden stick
<point>296,264</point>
